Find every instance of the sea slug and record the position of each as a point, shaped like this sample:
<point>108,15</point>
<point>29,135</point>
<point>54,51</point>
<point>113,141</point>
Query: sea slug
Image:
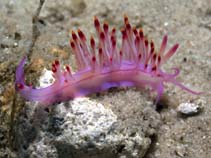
<point>104,64</point>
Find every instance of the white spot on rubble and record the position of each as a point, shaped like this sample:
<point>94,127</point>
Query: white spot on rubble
<point>46,79</point>
<point>189,108</point>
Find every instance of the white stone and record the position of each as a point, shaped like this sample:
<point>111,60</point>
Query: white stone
<point>188,108</point>
<point>46,79</point>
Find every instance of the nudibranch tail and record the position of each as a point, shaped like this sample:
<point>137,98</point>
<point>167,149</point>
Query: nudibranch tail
<point>103,64</point>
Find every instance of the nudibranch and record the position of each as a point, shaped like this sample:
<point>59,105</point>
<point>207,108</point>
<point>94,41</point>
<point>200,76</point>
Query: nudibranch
<point>103,64</point>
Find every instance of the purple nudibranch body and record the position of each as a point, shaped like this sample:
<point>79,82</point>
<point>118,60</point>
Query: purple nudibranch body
<point>103,65</point>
